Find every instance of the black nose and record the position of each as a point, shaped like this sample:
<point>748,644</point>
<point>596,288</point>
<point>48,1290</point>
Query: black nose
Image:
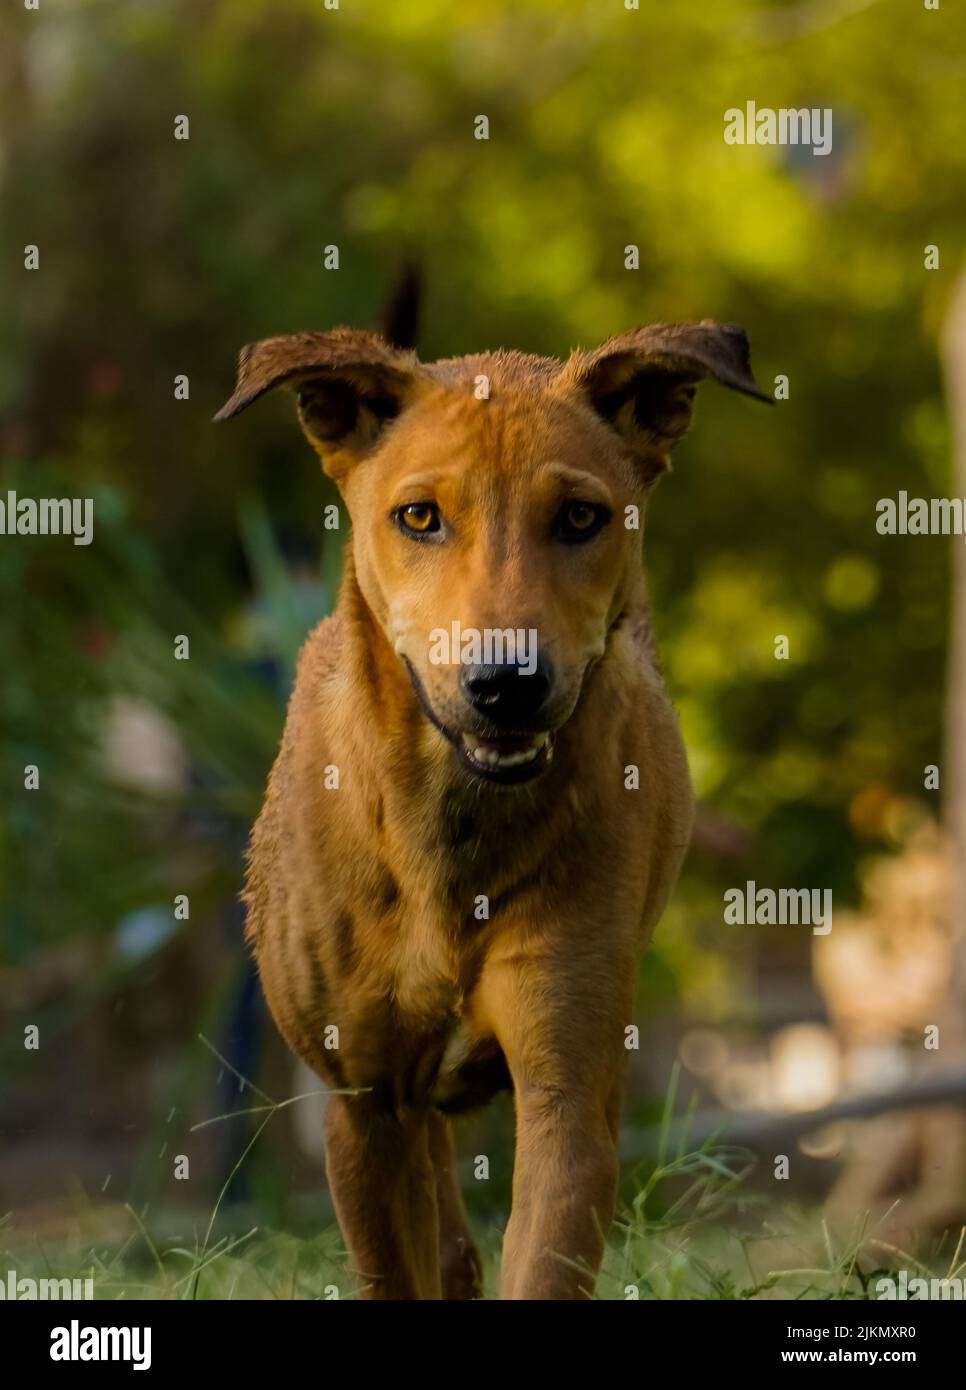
<point>507,694</point>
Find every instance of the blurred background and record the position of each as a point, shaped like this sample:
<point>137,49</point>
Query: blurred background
<point>159,257</point>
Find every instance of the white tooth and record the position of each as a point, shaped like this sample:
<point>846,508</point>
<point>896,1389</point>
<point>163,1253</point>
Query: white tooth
<point>490,757</point>
<point>525,755</point>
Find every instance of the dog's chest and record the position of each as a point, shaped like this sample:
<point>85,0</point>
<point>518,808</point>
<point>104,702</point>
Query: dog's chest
<point>434,961</point>
<point>441,1052</point>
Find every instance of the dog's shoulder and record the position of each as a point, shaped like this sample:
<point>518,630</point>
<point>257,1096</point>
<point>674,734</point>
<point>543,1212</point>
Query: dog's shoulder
<point>319,657</point>
<point>317,671</point>
<point>317,662</point>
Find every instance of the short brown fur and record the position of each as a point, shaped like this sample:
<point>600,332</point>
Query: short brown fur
<point>363,898</point>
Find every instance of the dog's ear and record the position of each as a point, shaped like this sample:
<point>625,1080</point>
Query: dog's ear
<point>349,385</point>
<point>643,382</point>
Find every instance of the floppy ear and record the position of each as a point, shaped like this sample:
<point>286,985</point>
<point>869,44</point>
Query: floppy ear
<point>643,382</point>
<point>349,385</point>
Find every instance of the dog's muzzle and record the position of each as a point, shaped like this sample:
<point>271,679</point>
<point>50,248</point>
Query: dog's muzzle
<point>504,745</point>
<point>508,696</point>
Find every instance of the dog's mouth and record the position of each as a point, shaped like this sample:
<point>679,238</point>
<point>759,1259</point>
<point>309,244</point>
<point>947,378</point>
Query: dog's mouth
<point>505,757</point>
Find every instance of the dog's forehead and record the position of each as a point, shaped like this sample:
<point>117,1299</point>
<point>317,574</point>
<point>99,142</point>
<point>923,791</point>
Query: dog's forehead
<point>500,370</point>
<point>503,413</point>
<point>471,445</point>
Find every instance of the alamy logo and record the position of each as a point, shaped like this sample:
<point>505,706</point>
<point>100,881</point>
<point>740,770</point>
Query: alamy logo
<point>753,906</point>
<point>763,125</point>
<point>30,1290</point>
<point>76,1343</point>
<point>903,1288</point>
<point>48,516</point>
<point>493,646</point>
<point>920,516</point>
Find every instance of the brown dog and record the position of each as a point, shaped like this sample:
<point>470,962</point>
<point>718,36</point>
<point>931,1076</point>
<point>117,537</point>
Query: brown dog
<point>458,861</point>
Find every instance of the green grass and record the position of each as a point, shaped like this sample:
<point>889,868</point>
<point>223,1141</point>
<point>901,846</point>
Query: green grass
<point>785,1255</point>
<point>693,1225</point>
<point>709,1239</point>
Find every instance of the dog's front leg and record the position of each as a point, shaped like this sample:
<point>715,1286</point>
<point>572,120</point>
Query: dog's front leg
<point>564,1183</point>
<point>383,1185</point>
<point>561,1026</point>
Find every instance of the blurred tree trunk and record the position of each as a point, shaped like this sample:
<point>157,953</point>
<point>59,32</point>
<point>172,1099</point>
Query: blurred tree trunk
<point>954,364</point>
<point>920,1157</point>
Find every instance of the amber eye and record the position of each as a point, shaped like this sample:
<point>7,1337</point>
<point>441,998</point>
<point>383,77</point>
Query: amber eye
<point>420,518</point>
<point>578,521</point>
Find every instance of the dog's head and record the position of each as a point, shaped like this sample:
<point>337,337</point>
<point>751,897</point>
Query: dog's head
<point>496,506</point>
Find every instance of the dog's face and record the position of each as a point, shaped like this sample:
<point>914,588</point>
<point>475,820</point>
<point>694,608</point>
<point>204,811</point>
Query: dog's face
<point>496,505</point>
<point>490,542</point>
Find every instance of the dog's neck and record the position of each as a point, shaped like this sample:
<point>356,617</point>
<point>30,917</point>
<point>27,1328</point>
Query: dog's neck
<point>379,674</point>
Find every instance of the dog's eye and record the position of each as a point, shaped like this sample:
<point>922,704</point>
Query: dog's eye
<point>420,518</point>
<point>578,521</point>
